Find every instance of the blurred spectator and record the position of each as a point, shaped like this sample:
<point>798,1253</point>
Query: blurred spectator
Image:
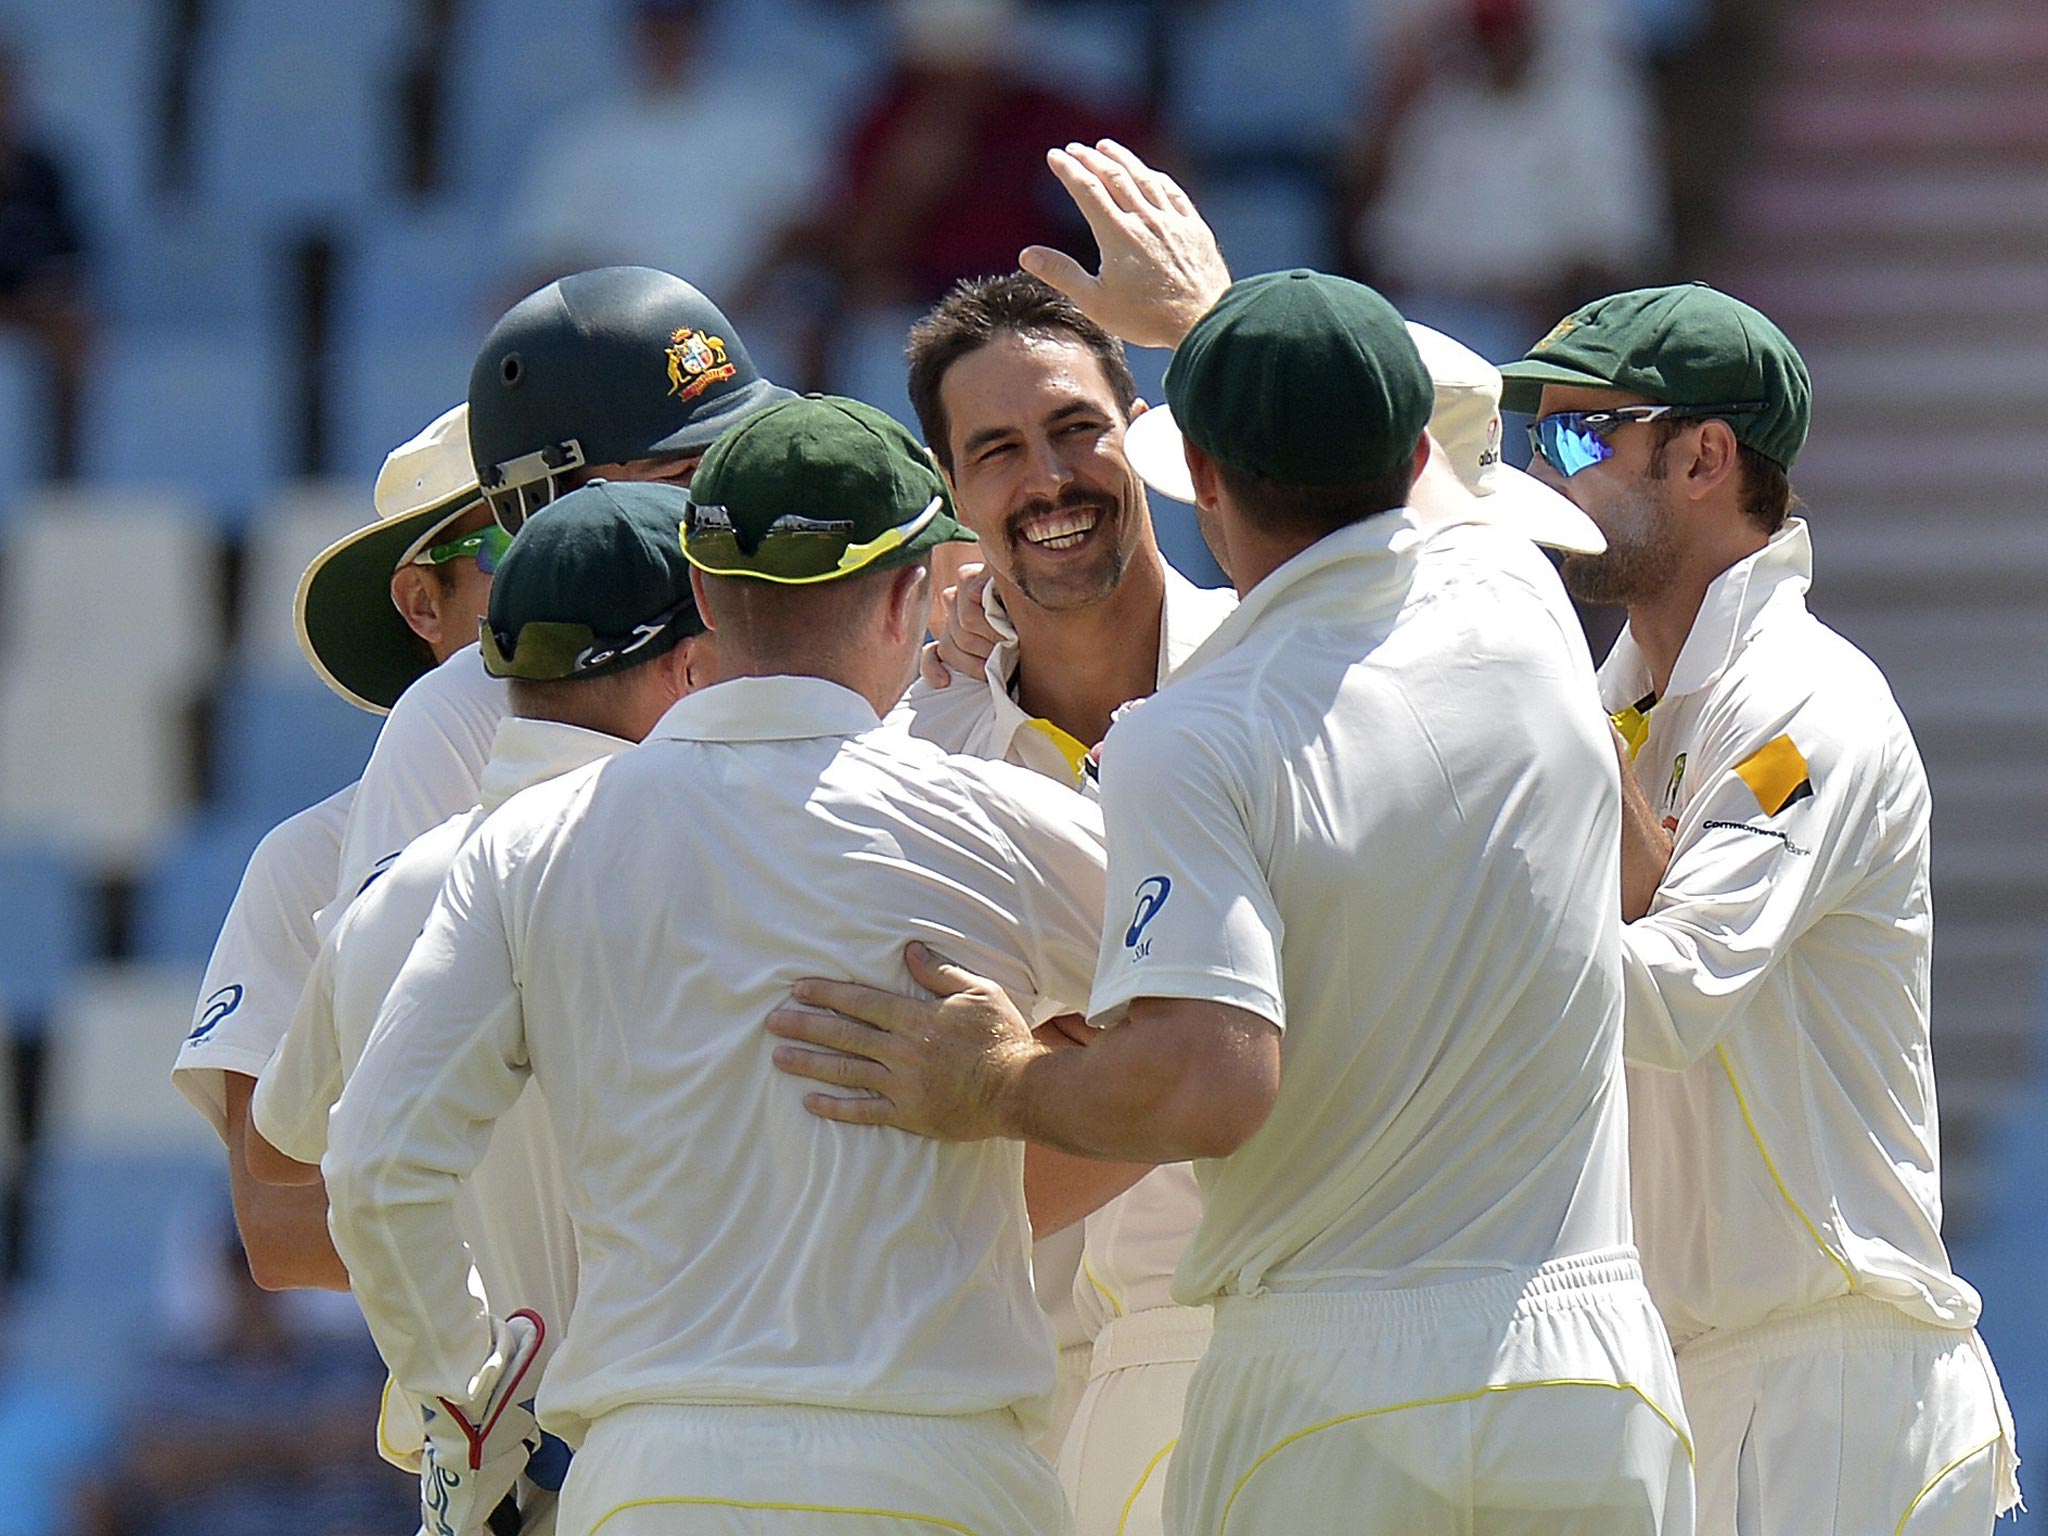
<point>1514,170</point>
<point>41,261</point>
<point>942,177</point>
<point>687,168</point>
<point>251,1421</point>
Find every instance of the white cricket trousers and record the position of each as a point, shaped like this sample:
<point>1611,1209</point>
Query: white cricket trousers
<point>1845,1418</point>
<point>659,1469</point>
<point>1529,1403</point>
<point>1113,1464</point>
<point>1069,1382</point>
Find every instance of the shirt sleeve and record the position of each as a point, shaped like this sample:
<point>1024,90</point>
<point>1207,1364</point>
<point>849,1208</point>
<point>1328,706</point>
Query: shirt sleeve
<point>259,964</point>
<point>1189,911</point>
<point>447,1057</point>
<point>1773,842</point>
<point>1060,865</point>
<point>425,767</point>
<point>302,1079</point>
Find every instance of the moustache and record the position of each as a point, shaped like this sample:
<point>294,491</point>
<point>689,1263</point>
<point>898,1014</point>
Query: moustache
<point>1072,501</point>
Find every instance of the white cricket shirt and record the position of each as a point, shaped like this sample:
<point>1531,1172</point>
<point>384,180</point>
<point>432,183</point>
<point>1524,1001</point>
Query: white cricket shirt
<point>1380,809</point>
<point>260,961</point>
<point>1130,1246</point>
<point>511,1210</point>
<point>985,720</point>
<point>1784,1134</point>
<point>619,935</point>
<point>426,766</point>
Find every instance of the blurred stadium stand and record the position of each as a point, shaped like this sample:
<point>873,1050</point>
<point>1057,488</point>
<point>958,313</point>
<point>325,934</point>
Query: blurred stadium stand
<point>293,209</point>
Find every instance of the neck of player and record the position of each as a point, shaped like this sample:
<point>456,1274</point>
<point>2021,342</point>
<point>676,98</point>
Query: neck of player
<point>1076,666</point>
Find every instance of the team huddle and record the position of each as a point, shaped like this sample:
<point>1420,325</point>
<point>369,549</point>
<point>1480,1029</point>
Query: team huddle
<point>1312,1057</point>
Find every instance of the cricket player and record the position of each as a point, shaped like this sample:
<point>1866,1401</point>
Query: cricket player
<point>374,611</point>
<point>1363,966</point>
<point>779,1327</point>
<point>1775,867</point>
<point>1033,417</point>
<point>604,567</point>
<point>623,373</point>
<point>1024,402</point>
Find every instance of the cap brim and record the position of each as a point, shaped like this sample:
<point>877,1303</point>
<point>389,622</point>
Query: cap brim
<point>1152,444</point>
<point>352,635</point>
<point>703,427</point>
<point>1521,384</point>
<point>1523,504</point>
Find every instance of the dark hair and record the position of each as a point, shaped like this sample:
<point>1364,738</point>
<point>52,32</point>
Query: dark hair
<point>978,310</point>
<point>1767,498</point>
<point>1313,511</point>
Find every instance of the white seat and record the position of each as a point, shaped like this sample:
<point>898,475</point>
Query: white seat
<point>111,1047</point>
<point>282,541</point>
<point>97,761</point>
<point>111,579</point>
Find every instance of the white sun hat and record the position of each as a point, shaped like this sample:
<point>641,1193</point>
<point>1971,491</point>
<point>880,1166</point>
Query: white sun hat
<point>1466,424</point>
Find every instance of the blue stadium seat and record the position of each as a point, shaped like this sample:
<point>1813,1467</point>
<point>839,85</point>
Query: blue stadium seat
<point>279,745</point>
<point>191,271</point>
<point>295,121</point>
<point>1269,221</point>
<point>412,271</point>
<point>382,392</point>
<point>200,412</point>
<point>95,76</point>
<point>24,420</point>
<point>49,927</point>
<point>513,65</point>
<point>1297,92</point>
<point>186,893</point>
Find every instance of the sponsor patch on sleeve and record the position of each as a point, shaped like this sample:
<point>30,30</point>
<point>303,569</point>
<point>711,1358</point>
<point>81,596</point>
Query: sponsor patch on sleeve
<point>1776,774</point>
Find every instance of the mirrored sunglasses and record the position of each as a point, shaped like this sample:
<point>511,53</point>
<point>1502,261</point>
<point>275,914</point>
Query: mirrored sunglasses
<point>1569,441</point>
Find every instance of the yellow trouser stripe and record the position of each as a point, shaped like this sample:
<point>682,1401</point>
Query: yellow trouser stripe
<point>1944,1472</point>
<point>1763,1151</point>
<point>1144,1477</point>
<point>1439,1402</point>
<point>1107,1294</point>
<point>794,1509</point>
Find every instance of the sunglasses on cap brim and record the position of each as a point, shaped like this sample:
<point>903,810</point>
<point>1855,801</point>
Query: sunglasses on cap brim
<point>1569,441</point>
<point>795,551</point>
<point>487,545</point>
<point>549,651</point>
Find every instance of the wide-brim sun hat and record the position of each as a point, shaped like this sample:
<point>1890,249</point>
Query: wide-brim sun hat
<point>351,632</point>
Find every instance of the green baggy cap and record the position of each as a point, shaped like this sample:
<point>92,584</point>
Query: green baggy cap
<point>596,586</point>
<point>813,489</point>
<point>1685,345</point>
<point>1302,378</point>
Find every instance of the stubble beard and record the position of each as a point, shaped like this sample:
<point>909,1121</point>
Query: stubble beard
<point>1640,562</point>
<point>1075,589</point>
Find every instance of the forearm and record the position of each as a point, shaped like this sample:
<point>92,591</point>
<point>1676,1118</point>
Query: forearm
<point>1061,1189</point>
<point>1175,1082</point>
<point>284,1228</point>
<point>394,1223</point>
<point>1645,850</point>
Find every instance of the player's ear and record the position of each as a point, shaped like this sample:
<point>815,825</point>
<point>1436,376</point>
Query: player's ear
<point>1714,458</point>
<point>909,599</point>
<point>417,597</point>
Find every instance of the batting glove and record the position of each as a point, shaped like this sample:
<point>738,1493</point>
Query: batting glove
<point>476,1449</point>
